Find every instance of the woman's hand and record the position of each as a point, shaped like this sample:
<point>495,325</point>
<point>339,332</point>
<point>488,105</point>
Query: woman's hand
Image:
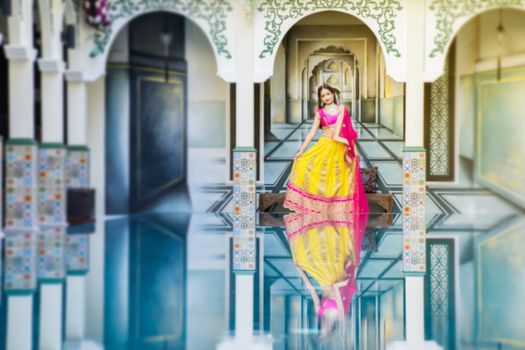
<point>348,158</point>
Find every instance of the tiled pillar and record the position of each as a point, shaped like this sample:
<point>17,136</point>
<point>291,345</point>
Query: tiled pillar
<point>414,221</point>
<point>51,241</point>
<point>21,240</point>
<point>244,241</point>
<point>76,248</point>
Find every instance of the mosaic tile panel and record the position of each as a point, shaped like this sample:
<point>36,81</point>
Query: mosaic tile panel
<point>244,165</point>
<point>20,260</point>
<point>51,248</point>
<point>21,184</point>
<point>51,166</point>
<point>414,227</point>
<point>52,205</point>
<point>77,167</point>
<point>77,253</point>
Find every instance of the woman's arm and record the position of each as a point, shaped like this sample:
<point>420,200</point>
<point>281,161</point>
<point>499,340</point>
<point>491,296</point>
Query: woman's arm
<point>310,288</point>
<point>311,134</point>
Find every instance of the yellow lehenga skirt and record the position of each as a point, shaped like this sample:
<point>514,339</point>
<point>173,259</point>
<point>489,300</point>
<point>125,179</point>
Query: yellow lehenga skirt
<point>324,250</point>
<point>322,180</point>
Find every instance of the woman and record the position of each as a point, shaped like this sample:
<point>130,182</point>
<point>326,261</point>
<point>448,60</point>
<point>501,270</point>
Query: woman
<point>327,177</point>
<point>327,247</point>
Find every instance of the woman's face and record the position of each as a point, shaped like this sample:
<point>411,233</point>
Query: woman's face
<point>327,97</point>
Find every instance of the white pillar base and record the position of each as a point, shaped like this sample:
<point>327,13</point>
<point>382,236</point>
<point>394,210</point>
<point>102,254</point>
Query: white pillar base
<point>244,307</point>
<point>20,322</point>
<point>75,307</point>
<point>51,316</point>
<point>82,345</point>
<point>402,345</point>
<point>415,311</point>
<point>257,343</point>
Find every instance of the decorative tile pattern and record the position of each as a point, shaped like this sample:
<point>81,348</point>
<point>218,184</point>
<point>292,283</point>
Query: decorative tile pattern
<point>414,226</point>
<point>77,253</point>
<point>244,247</point>
<point>51,246</point>
<point>51,190</point>
<point>20,260</point>
<point>77,168</point>
<point>21,185</point>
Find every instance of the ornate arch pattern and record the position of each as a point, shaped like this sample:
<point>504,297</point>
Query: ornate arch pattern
<point>445,19</point>
<point>450,15</point>
<point>213,12</point>
<point>382,12</point>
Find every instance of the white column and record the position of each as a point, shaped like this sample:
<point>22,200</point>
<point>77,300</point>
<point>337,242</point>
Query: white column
<point>21,98</point>
<point>244,307</point>
<point>51,316</point>
<point>414,306</point>
<point>244,103</point>
<point>52,100</point>
<point>414,119</point>
<point>20,322</point>
<point>95,278</point>
<point>21,55</point>
<point>76,109</point>
<point>415,63</point>
<point>75,307</point>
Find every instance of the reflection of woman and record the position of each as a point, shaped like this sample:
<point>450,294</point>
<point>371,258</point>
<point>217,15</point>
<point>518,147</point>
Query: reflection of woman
<point>327,177</point>
<point>327,247</point>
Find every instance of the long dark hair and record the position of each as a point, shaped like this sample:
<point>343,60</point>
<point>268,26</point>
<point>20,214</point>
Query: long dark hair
<point>333,90</point>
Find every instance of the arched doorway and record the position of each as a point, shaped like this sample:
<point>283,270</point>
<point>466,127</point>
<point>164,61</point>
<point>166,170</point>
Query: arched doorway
<point>471,130</point>
<point>338,49</point>
<point>164,78</point>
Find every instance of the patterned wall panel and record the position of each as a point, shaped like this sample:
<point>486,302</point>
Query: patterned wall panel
<point>77,167</point>
<point>20,260</point>
<point>77,253</point>
<point>439,124</point>
<point>244,244</point>
<point>51,246</point>
<point>21,184</point>
<point>51,189</point>
<point>76,246</point>
<point>439,293</point>
<point>414,223</point>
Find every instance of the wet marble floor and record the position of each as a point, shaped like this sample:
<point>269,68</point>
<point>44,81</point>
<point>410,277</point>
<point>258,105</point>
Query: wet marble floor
<point>164,281</point>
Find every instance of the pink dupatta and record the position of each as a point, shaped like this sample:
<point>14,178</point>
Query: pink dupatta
<point>345,132</point>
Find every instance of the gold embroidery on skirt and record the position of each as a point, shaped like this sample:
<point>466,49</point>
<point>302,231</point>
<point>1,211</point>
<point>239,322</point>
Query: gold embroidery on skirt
<point>322,242</point>
<point>308,250</point>
<point>306,179</point>
<point>316,205</point>
<point>322,180</point>
<point>337,176</point>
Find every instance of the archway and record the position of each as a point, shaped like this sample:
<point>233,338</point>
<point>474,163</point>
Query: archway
<point>337,47</point>
<point>212,19</point>
<point>166,115</point>
<point>463,126</point>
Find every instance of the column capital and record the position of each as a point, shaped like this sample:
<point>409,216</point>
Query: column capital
<point>51,65</point>
<point>74,76</point>
<point>20,53</point>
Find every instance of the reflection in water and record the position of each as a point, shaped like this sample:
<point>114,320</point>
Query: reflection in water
<point>326,247</point>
